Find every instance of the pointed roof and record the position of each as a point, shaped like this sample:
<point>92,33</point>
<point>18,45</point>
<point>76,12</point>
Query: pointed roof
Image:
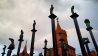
<point>25,48</point>
<point>60,30</point>
<point>24,52</point>
<point>58,25</point>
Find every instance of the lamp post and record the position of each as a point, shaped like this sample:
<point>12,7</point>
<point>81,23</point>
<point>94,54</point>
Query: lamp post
<point>45,47</point>
<point>89,28</point>
<point>86,42</point>
<point>74,17</point>
<point>32,40</point>
<point>52,17</point>
<point>3,53</point>
<point>11,47</point>
<point>20,42</point>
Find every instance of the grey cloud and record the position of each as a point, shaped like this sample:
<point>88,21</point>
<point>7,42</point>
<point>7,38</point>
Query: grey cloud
<point>59,5</point>
<point>95,1</point>
<point>7,4</point>
<point>24,12</point>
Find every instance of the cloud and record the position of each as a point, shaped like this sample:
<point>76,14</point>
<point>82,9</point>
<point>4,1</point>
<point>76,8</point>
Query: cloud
<point>7,4</point>
<point>95,1</point>
<point>19,14</point>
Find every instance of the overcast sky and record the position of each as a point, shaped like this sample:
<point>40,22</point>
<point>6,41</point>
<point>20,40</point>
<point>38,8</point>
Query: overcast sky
<point>19,14</point>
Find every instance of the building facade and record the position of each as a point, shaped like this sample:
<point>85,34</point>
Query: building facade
<point>70,51</point>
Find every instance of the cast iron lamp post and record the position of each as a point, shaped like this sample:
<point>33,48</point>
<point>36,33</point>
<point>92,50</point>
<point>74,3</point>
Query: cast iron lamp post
<point>89,28</point>
<point>74,17</point>
<point>52,17</point>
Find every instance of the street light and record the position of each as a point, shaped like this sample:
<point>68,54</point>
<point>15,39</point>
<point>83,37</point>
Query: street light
<point>89,28</point>
<point>52,17</point>
<point>74,17</point>
<point>86,42</point>
<point>87,22</point>
<point>45,47</point>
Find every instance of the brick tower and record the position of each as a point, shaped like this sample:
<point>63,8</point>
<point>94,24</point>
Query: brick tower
<point>70,51</point>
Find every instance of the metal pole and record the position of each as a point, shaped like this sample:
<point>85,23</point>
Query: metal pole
<point>94,42</point>
<point>9,52</point>
<point>11,47</point>
<point>20,42</point>
<point>86,42</point>
<point>88,50</point>
<point>3,53</point>
<point>45,47</point>
<point>74,16</point>
<point>33,38</point>
<point>89,28</point>
<point>52,16</point>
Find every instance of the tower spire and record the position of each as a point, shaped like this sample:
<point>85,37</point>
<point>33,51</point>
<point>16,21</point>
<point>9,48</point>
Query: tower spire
<point>24,52</point>
<point>57,20</point>
<point>58,25</point>
<point>25,48</point>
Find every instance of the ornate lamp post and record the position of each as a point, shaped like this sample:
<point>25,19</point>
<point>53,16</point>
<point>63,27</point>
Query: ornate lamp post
<point>11,47</point>
<point>52,17</point>
<point>33,38</point>
<point>89,28</point>
<point>74,17</point>
<point>20,42</point>
<point>45,47</point>
<point>3,53</point>
<point>86,42</point>
<point>63,45</point>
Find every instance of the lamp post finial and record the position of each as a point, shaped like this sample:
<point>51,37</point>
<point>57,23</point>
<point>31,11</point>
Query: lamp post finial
<point>51,9</point>
<point>72,9</point>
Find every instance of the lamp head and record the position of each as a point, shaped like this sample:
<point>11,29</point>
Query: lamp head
<point>87,21</point>
<point>46,41</point>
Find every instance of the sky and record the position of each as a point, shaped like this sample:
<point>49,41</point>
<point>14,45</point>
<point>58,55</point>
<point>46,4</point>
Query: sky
<point>19,14</point>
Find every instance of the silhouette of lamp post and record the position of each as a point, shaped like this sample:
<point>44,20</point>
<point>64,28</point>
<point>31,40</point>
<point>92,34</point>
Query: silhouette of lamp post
<point>20,42</point>
<point>11,47</point>
<point>52,17</point>
<point>3,53</point>
<point>45,47</point>
<point>89,28</point>
<point>32,40</point>
<point>74,17</point>
<point>86,42</point>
